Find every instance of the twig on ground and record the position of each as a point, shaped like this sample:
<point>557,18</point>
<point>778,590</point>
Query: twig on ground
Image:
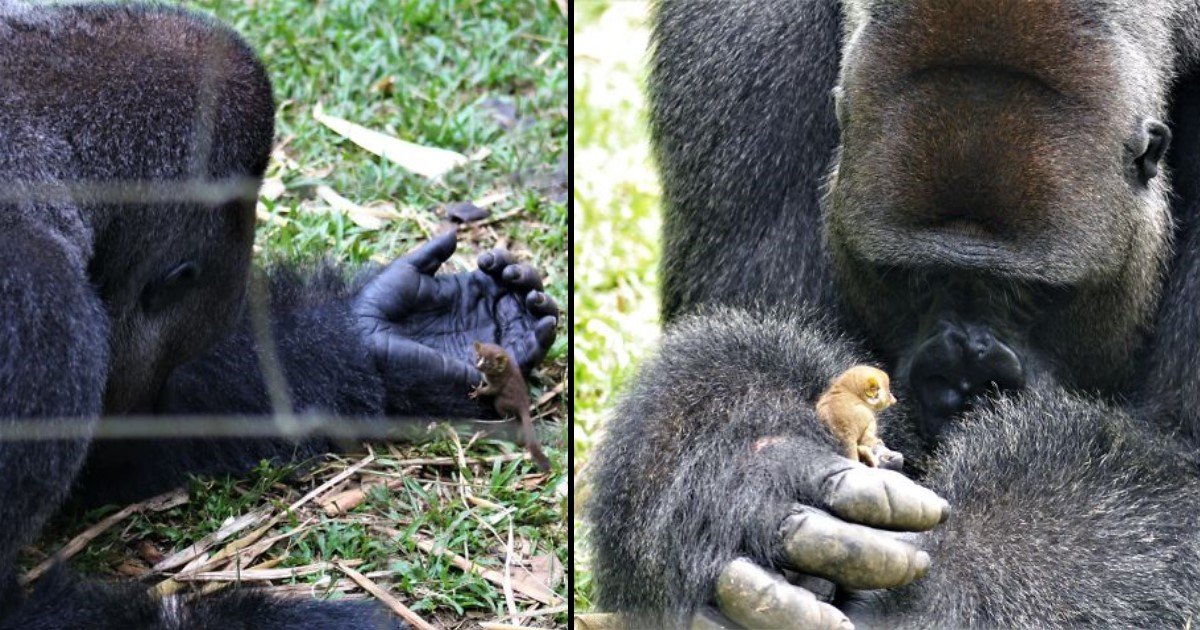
<point>262,575</point>
<point>388,599</point>
<point>453,461</point>
<point>530,588</point>
<point>78,543</point>
<point>554,610</point>
<point>193,551</point>
<point>347,500</point>
<point>335,480</point>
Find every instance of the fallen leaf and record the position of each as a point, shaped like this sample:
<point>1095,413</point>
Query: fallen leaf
<point>465,212</point>
<point>491,198</point>
<point>430,162</point>
<point>385,86</point>
<point>367,217</point>
<point>281,157</point>
<point>545,568</point>
<point>272,188</point>
<point>133,569</point>
<point>147,551</point>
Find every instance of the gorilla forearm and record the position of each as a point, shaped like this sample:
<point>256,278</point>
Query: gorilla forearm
<point>1048,529</point>
<point>713,444</point>
<point>320,353</point>
<point>52,322</point>
<point>321,359</point>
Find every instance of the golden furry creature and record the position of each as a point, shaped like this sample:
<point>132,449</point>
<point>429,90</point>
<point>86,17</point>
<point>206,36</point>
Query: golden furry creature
<point>848,408</point>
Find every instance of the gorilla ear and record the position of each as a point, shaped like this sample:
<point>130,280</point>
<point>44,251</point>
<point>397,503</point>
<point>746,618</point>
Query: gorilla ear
<point>1148,146</point>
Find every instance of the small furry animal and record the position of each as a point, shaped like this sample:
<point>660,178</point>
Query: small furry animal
<point>502,379</point>
<point>848,408</point>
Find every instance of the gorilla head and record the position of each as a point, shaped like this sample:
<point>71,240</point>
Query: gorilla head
<point>171,265</point>
<point>168,301</point>
<point>997,197</point>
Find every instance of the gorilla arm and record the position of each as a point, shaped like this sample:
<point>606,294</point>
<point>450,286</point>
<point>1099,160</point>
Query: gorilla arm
<point>53,365</point>
<point>397,341</point>
<point>717,454</point>
<point>1067,512</point>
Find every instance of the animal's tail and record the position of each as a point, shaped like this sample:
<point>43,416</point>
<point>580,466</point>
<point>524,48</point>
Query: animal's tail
<point>63,601</point>
<point>531,441</point>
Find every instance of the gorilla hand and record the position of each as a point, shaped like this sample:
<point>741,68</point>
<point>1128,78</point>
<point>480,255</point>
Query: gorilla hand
<point>421,327</point>
<point>844,547</point>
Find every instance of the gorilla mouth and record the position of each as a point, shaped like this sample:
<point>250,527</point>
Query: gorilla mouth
<point>967,230</point>
<point>961,244</point>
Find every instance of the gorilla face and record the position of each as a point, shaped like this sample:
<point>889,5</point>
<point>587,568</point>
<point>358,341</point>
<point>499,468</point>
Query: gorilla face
<point>1022,146</point>
<point>169,301</point>
<point>1015,162</point>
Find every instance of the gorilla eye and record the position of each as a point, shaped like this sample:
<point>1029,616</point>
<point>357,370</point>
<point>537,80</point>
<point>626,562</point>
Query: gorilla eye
<point>171,286</point>
<point>1148,146</point>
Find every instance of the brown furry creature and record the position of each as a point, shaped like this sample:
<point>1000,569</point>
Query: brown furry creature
<point>849,406</point>
<point>503,380</point>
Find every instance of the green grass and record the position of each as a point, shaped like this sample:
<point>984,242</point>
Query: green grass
<point>616,225</point>
<point>443,73</point>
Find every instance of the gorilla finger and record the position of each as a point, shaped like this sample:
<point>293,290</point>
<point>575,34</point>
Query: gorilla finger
<point>709,618</point>
<point>540,304</point>
<point>545,331</point>
<point>757,598</point>
<point>528,350</point>
<point>883,498</point>
<point>495,261</point>
<point>522,278</point>
<point>851,555</point>
<point>429,256</point>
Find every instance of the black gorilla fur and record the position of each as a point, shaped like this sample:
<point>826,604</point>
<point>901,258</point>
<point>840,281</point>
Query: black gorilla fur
<point>132,143</point>
<point>1074,483</point>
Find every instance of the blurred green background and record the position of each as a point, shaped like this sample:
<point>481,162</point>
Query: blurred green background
<point>616,228</point>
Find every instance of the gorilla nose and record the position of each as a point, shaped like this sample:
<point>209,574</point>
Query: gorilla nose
<point>955,367</point>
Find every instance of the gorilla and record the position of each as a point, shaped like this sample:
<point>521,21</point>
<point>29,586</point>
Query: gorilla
<point>978,197</point>
<point>133,140</point>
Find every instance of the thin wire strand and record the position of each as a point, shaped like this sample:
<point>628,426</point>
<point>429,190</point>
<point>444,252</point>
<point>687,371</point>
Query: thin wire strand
<point>303,426</point>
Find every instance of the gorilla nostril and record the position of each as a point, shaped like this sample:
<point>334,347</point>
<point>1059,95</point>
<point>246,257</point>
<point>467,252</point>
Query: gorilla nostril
<point>956,368</point>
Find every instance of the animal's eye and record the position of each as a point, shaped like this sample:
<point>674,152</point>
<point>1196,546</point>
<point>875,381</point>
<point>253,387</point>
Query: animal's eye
<point>182,273</point>
<point>170,286</point>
